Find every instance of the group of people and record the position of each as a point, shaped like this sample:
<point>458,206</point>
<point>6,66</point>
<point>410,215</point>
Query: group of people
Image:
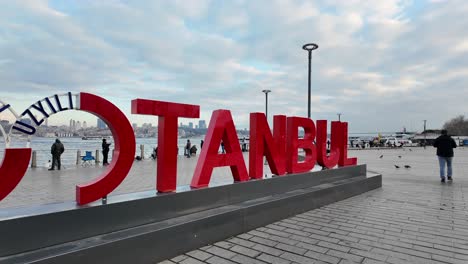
<point>57,150</point>
<point>190,150</point>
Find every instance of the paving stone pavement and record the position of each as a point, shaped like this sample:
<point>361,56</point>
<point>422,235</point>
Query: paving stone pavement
<point>413,218</point>
<point>40,186</point>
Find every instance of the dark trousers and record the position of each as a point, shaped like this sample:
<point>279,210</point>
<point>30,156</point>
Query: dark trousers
<point>104,159</point>
<point>55,161</point>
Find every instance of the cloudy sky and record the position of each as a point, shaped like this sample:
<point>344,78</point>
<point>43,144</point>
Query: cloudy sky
<point>384,64</point>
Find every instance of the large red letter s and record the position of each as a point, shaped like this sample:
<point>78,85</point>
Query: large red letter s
<point>124,149</point>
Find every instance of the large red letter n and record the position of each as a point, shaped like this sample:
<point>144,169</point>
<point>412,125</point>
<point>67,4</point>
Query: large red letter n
<point>263,143</point>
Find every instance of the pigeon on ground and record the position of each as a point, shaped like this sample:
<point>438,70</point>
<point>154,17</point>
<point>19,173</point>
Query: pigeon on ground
<point>410,150</point>
<point>396,166</point>
<point>407,166</point>
<point>381,156</point>
<point>399,157</point>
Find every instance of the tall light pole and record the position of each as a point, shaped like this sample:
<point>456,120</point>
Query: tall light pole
<point>339,116</point>
<point>266,103</point>
<point>424,133</point>
<point>309,47</point>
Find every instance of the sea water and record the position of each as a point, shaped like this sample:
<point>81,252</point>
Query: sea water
<point>42,146</point>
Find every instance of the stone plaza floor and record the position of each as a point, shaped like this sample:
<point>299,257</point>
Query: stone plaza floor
<point>413,218</point>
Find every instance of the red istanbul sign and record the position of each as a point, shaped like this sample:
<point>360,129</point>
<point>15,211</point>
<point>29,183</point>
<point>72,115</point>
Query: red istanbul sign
<point>280,147</point>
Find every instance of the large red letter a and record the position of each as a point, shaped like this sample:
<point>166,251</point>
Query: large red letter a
<point>221,128</point>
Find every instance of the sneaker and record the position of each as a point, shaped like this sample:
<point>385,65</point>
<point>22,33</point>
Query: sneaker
<point>51,169</point>
<point>449,178</point>
<point>442,180</point>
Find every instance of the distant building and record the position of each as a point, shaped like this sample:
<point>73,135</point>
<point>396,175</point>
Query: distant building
<point>146,125</point>
<point>85,125</point>
<point>101,124</point>
<point>190,125</point>
<point>4,123</point>
<point>201,124</point>
<point>78,125</point>
<point>26,121</point>
<point>135,126</point>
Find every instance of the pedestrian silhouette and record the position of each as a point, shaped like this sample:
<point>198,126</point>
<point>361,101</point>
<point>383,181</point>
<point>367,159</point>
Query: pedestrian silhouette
<point>187,148</point>
<point>56,150</point>
<point>105,151</point>
<point>445,145</point>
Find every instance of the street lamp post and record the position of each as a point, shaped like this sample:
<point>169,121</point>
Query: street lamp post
<point>266,115</point>
<point>339,116</point>
<point>309,47</point>
<point>266,102</point>
<point>424,133</point>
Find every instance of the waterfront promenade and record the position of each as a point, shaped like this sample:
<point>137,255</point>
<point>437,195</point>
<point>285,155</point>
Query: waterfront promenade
<point>413,218</point>
<point>41,186</point>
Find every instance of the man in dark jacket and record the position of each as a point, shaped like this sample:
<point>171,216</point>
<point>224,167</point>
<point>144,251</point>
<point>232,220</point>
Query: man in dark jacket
<point>445,145</point>
<point>187,148</point>
<point>56,150</point>
<point>105,151</point>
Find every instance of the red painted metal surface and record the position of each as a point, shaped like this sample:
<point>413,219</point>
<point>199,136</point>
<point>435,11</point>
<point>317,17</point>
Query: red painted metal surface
<point>263,143</point>
<point>14,165</point>
<point>168,114</point>
<point>343,145</point>
<point>221,128</point>
<point>324,160</point>
<point>124,149</point>
<point>306,143</point>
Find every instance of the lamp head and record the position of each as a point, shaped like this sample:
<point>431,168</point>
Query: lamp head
<point>310,46</point>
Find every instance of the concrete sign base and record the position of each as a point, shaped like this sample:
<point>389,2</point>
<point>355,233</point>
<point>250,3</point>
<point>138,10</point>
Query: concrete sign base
<point>146,228</point>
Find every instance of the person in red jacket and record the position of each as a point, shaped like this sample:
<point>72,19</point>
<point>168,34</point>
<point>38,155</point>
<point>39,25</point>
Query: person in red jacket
<point>445,145</point>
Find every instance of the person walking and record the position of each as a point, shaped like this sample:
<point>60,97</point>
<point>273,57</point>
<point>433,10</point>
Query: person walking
<point>105,151</point>
<point>201,144</point>
<point>187,148</point>
<point>56,150</point>
<point>445,145</point>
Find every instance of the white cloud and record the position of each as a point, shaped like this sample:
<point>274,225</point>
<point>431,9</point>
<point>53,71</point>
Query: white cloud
<point>222,54</point>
